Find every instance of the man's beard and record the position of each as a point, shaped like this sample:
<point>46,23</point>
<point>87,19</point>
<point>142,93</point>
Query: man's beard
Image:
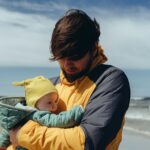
<point>72,78</point>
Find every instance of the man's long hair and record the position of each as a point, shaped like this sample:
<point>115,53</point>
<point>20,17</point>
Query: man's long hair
<point>74,35</point>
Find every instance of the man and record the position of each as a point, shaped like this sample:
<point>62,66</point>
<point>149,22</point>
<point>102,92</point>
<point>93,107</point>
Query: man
<point>103,90</point>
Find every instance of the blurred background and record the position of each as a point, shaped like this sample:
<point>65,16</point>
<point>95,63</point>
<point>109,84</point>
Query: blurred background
<point>25,32</point>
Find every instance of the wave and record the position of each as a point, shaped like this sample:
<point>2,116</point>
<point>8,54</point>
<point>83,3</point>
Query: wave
<point>138,116</point>
<point>140,111</point>
<point>140,98</point>
<point>132,129</point>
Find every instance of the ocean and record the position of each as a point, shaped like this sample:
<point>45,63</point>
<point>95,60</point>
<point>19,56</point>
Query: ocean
<point>139,79</point>
<point>11,74</point>
<point>138,114</point>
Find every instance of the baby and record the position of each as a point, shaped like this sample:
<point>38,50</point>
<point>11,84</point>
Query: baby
<point>42,96</point>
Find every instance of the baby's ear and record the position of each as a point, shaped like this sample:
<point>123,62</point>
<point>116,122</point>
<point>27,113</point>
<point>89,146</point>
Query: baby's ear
<point>53,107</point>
<point>55,97</point>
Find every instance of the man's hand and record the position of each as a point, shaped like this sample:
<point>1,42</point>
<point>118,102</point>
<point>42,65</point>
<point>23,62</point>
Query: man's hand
<point>2,148</point>
<point>13,136</point>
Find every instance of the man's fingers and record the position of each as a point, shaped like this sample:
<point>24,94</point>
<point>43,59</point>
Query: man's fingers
<point>13,136</point>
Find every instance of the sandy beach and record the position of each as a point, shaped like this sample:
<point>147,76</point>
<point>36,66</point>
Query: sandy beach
<point>136,135</point>
<point>134,141</point>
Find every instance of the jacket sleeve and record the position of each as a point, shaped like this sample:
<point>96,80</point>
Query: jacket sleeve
<point>64,119</point>
<point>36,137</point>
<point>105,110</point>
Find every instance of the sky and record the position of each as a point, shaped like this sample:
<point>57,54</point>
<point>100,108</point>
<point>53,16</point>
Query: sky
<point>26,27</point>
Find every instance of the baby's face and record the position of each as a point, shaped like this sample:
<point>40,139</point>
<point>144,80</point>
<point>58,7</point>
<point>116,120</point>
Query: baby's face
<point>48,102</point>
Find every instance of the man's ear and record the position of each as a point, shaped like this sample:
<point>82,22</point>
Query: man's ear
<point>95,50</point>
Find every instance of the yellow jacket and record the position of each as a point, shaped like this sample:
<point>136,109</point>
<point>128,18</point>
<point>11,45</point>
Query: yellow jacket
<point>104,93</point>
